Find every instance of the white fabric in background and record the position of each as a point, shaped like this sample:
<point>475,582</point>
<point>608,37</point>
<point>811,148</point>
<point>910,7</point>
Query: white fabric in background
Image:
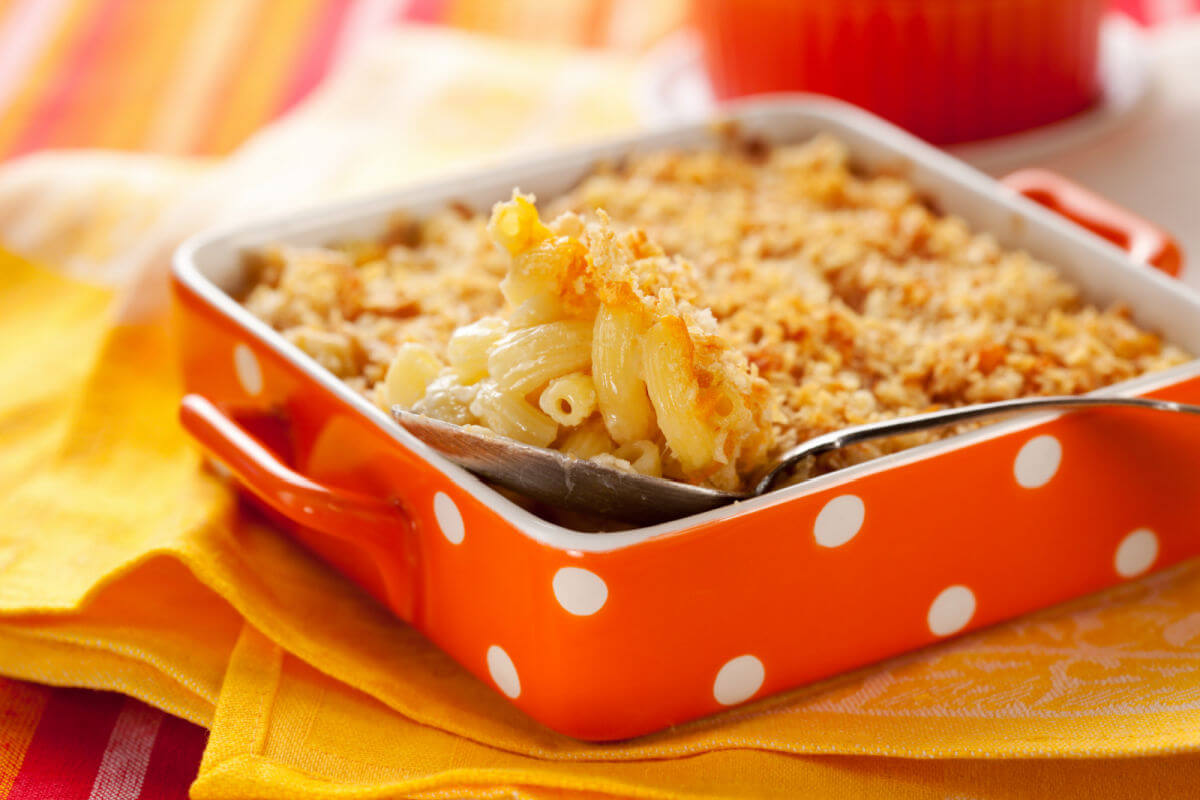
<point>1151,163</point>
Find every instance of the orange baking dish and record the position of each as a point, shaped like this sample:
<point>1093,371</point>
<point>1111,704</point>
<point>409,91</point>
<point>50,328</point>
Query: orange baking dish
<point>612,635</point>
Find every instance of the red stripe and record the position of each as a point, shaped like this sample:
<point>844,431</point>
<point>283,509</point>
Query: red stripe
<point>70,740</point>
<point>425,11</point>
<point>98,31</point>
<point>174,760</point>
<point>314,62</point>
<point>1146,11</point>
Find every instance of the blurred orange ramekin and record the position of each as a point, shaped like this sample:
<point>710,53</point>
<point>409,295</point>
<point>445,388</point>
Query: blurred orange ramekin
<point>947,70</point>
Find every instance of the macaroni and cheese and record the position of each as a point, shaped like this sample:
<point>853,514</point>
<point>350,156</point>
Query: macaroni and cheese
<point>600,354</point>
<point>692,314</point>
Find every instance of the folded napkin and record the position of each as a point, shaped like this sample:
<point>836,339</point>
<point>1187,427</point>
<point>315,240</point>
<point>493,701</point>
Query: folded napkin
<point>125,565</point>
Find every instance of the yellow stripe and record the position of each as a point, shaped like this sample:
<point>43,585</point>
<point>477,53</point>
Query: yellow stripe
<point>495,17</point>
<point>564,21</point>
<point>197,72</point>
<point>154,44</point>
<point>254,93</point>
<point>21,706</point>
<point>58,49</point>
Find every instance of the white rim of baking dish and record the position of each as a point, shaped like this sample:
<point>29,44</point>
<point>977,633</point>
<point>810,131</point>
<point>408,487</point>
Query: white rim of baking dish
<point>187,270</point>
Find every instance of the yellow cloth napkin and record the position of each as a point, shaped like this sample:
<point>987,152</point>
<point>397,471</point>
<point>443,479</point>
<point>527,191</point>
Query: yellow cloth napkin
<point>125,565</point>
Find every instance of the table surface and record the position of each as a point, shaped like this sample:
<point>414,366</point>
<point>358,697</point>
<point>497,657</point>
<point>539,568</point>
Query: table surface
<point>172,77</point>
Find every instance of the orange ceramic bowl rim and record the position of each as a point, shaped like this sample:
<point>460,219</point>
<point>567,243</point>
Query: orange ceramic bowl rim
<point>948,70</point>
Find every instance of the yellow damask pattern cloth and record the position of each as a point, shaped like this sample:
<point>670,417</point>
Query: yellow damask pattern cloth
<point>125,565</point>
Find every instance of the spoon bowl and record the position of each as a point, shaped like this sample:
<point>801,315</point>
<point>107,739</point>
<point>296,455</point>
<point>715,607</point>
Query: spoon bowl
<point>577,484</point>
<point>561,480</point>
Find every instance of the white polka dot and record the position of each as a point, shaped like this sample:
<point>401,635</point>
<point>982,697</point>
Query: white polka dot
<point>738,680</point>
<point>1136,553</point>
<point>839,520</point>
<point>1038,461</point>
<point>580,591</point>
<point>247,369</point>
<point>951,610</point>
<point>449,519</point>
<point>503,671</point>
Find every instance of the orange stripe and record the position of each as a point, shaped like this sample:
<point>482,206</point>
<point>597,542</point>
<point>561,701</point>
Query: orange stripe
<point>476,16</point>
<point>17,115</point>
<point>251,94</point>
<point>564,22</point>
<point>21,707</point>
<point>5,5</point>
<point>83,93</point>
<point>139,78</point>
<point>595,23</point>
<point>224,27</point>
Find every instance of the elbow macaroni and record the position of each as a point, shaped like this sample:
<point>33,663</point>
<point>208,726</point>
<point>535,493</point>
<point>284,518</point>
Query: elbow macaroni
<point>674,392</point>
<point>598,357</point>
<point>617,372</point>
<point>569,400</point>
<point>510,414</point>
<point>469,347</point>
<point>529,358</point>
<point>411,372</point>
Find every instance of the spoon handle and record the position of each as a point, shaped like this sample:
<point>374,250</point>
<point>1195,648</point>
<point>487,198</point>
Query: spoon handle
<point>836,440</point>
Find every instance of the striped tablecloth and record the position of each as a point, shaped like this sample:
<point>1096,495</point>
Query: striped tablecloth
<point>63,744</point>
<point>196,77</point>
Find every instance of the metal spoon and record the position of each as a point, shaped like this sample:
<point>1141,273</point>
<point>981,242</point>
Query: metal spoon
<point>581,485</point>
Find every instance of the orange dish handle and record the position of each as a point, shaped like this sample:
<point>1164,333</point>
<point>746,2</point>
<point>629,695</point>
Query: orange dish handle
<point>334,512</point>
<point>1142,239</point>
